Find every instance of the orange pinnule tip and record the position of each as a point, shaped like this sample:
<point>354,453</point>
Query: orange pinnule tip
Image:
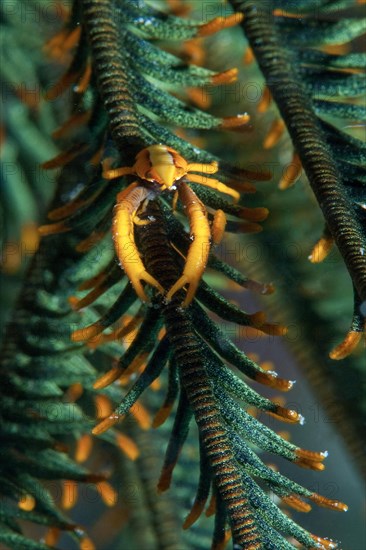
<point>84,80</point>
<point>235,121</point>
<point>329,503</point>
<point>93,281</point>
<point>83,448</point>
<point>257,319</point>
<point>95,160</point>
<point>53,229</point>
<point>103,406</point>
<point>267,288</point>
<point>248,56</point>
<point>311,465</point>
<point>252,411</point>
<point>321,249</point>
<point>283,13</point>
<point>107,493</point>
<point>95,478</point>
<point>27,503</point>
<point>74,302</point>
<point>30,237</point>
<point>74,392</point>
<point>273,381</point>
<point>179,8</point>
<point>107,423</point>
<point>193,51</point>
<point>124,380</point>
<point>165,478</point>
<point>77,303</point>
<point>327,543</point>
<point>127,446</point>
<point>336,49</point>
<point>243,187</point>
<point>61,86</point>
<point>296,503</point>
<point>88,243</point>
<point>264,101</point>
<point>262,288</point>
<point>311,455</point>
<point>226,77</point>
<point>72,37</point>
<point>194,514</point>
<point>137,363</point>
<point>162,415</point>
<point>285,435</point>
<point>107,378</point>
<point>60,447</point>
<point>218,227</point>
<point>74,121</point>
<point>2,134</point>
<point>129,328</point>
<point>266,365</point>
<point>12,257</point>
<point>279,400</point>
<point>63,41</point>
<point>249,227</point>
<point>199,97</point>
<point>162,333</point>
<point>63,211</point>
<point>55,40</point>
<point>291,173</point>
<point>226,538</point>
<point>254,214</point>
<point>69,494</point>
<point>221,542</point>
<point>273,330</point>
<point>155,385</point>
<point>219,23</point>
<point>52,536</point>
<point>211,508</point>
<point>86,544</point>
<point>346,347</point>
<point>141,416</point>
<point>64,158</point>
<point>86,333</point>
<point>274,135</point>
<point>288,415</point>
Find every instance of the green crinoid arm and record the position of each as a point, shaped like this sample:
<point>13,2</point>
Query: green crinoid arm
<point>293,89</point>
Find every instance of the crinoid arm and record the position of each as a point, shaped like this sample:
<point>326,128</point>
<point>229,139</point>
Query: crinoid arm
<point>128,202</point>
<point>218,226</point>
<point>199,249</point>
